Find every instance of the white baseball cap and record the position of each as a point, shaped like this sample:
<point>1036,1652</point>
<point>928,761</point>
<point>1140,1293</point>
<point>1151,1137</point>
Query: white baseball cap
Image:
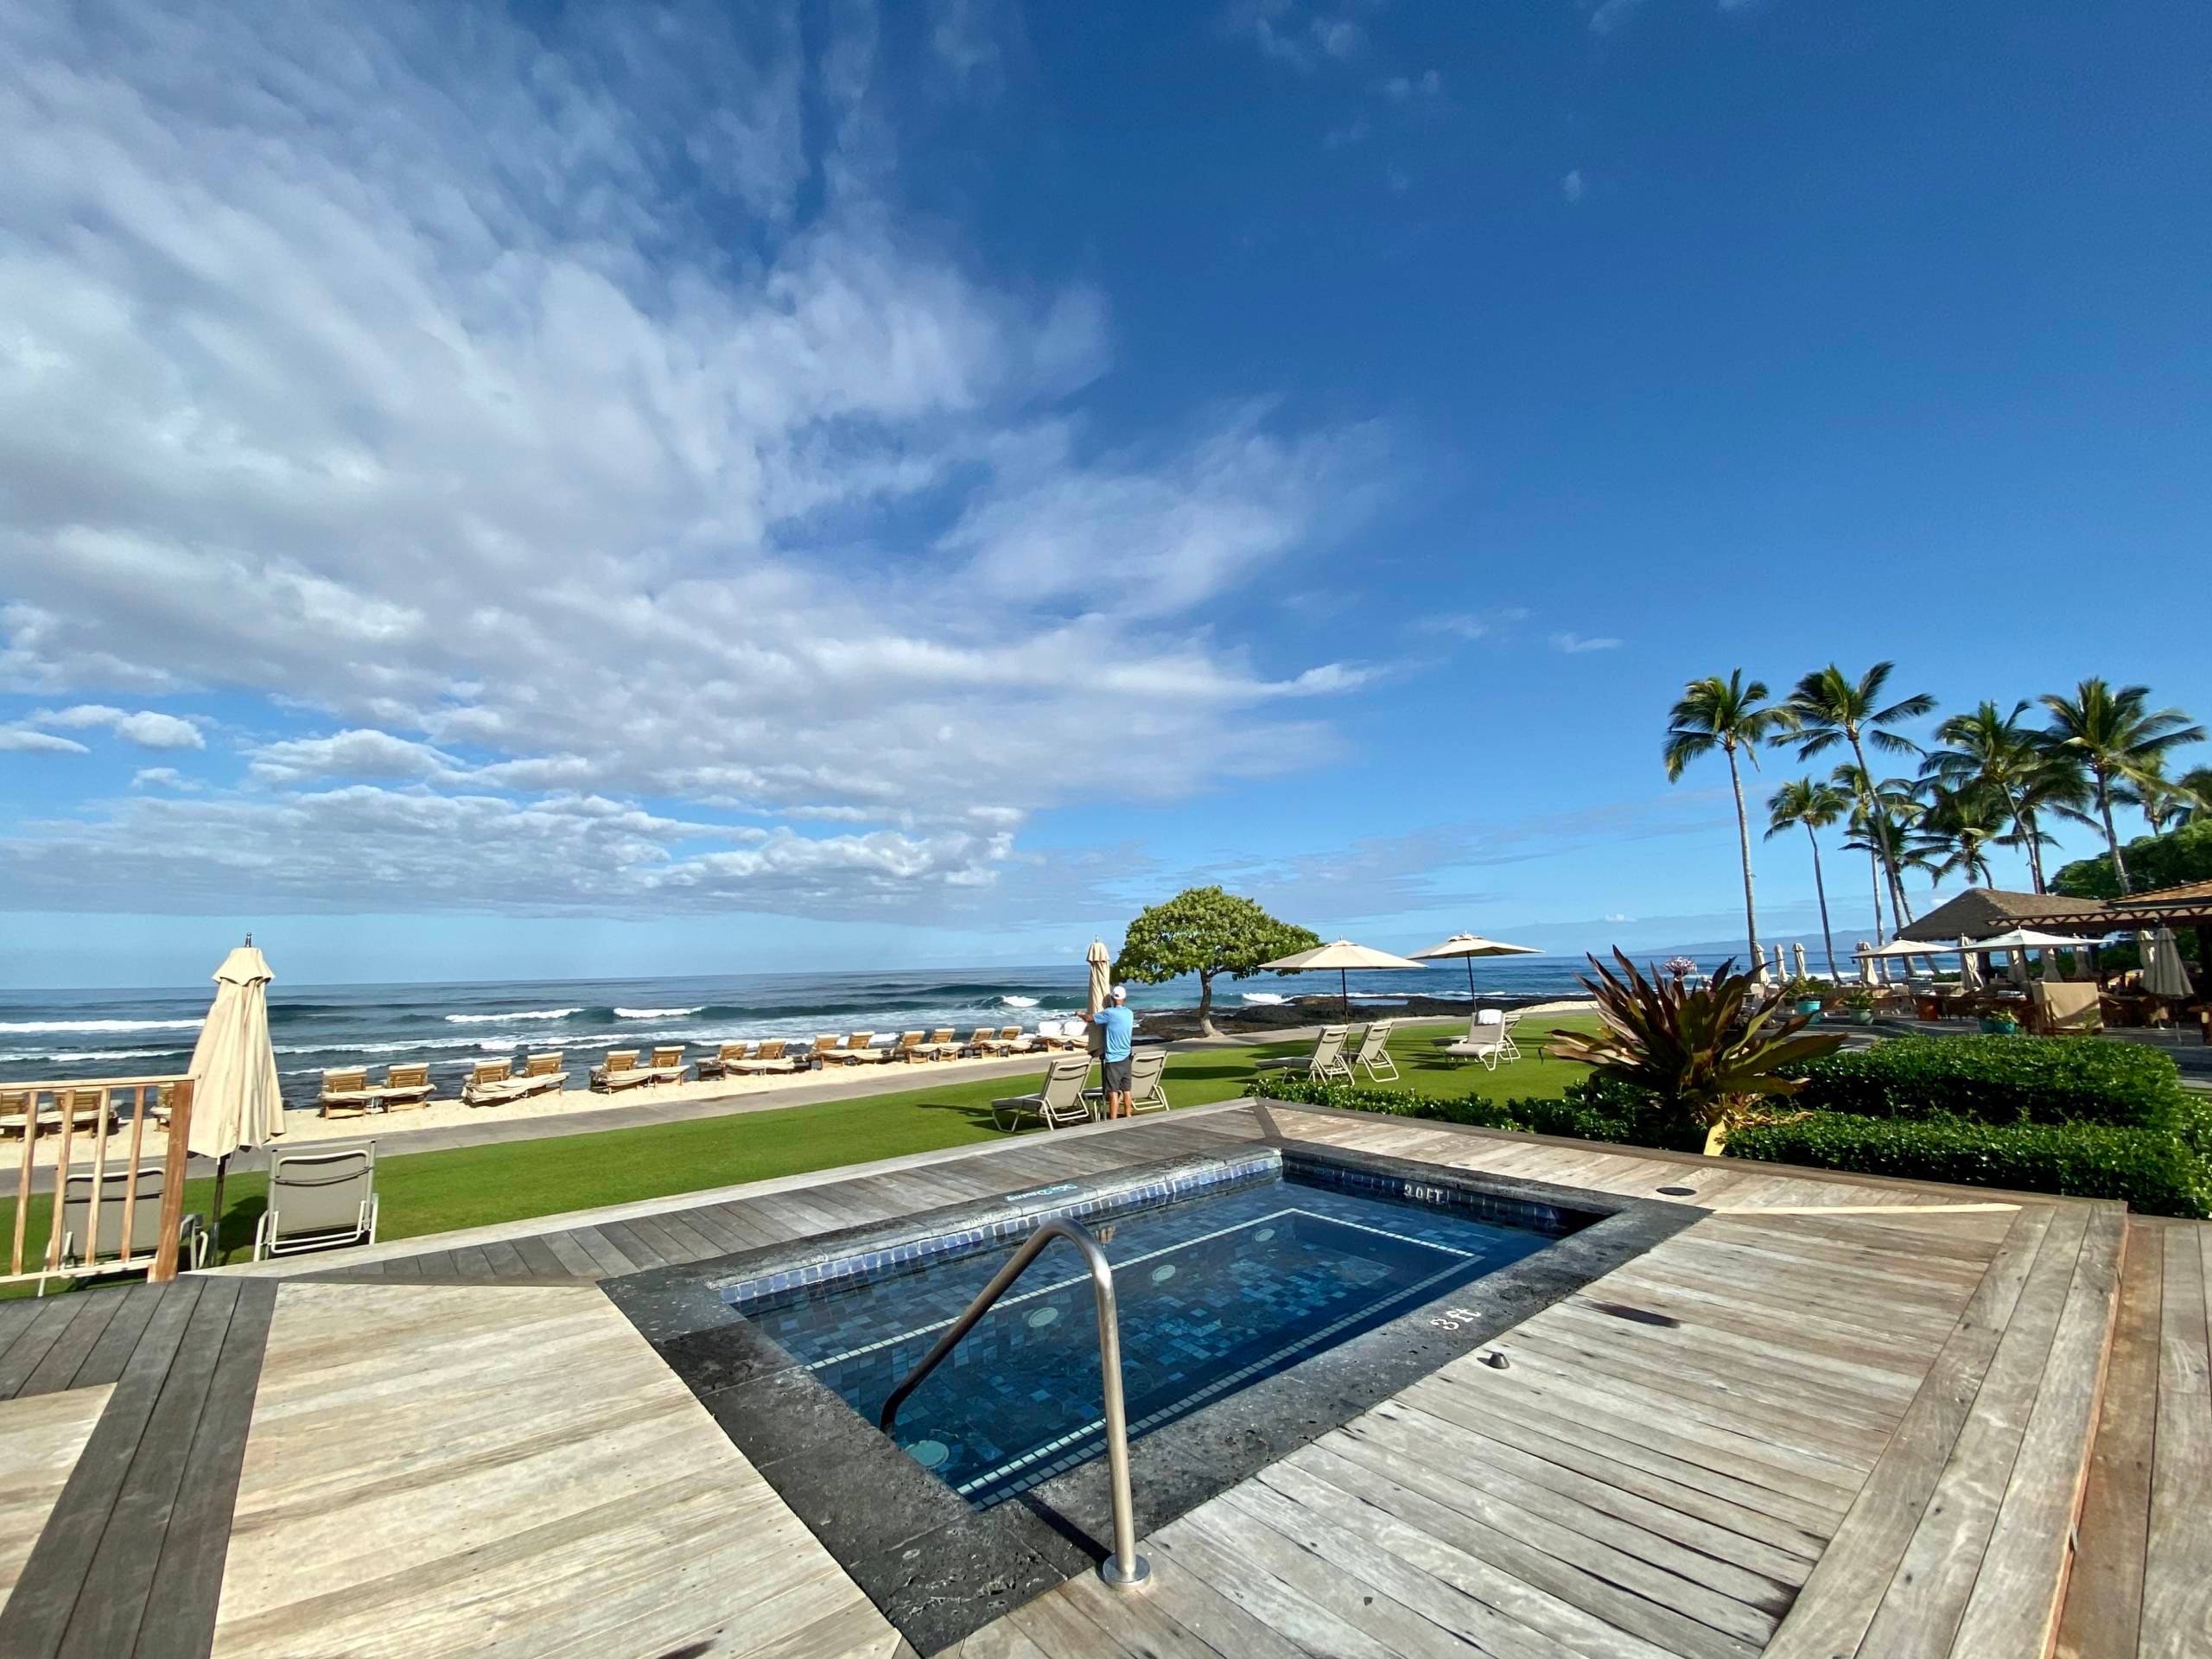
<point>1120,993</point>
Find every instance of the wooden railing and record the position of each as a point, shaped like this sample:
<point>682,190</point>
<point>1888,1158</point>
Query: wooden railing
<point>47,1110</point>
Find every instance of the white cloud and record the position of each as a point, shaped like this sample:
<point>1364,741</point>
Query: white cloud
<point>1409,89</point>
<point>1571,186</point>
<point>1574,644</point>
<point>162,778</point>
<point>1289,34</point>
<point>1491,624</point>
<point>1610,15</point>
<point>148,728</point>
<point>574,413</point>
<point>19,739</point>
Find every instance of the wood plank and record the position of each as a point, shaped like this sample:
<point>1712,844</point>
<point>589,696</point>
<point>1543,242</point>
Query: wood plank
<point>70,1350</point>
<point>469,1262</point>
<point>538,1258</point>
<point>610,1256</point>
<point>505,1260</point>
<point>39,1438</point>
<point>28,1351</point>
<point>125,1326</point>
<point>697,1246</point>
<point>1198,1550</point>
<point>1840,1597</point>
<point>2104,1598</point>
<point>2178,1554</point>
<point>568,1251</point>
<point>108,1619</point>
<point>38,1613</point>
<point>2013,1604</point>
<point>637,1250</point>
<point>188,1582</point>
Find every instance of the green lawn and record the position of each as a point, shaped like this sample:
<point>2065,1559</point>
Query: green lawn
<point>475,1186</point>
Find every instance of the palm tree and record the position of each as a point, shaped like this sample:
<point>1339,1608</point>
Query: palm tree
<point>1816,806</point>
<point>2121,740</point>
<point>1728,716</point>
<point>1894,807</point>
<point>1954,832</point>
<point>2014,762</point>
<point>2196,784</point>
<point>1828,707</point>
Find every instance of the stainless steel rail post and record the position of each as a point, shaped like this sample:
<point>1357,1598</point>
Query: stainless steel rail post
<point>1124,1569</point>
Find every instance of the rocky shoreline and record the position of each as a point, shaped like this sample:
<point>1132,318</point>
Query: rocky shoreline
<point>1242,1018</point>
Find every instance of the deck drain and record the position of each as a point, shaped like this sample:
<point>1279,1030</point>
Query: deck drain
<point>1680,1191</point>
<point>1161,1274</point>
<point>1039,1317</point>
<point>930,1454</point>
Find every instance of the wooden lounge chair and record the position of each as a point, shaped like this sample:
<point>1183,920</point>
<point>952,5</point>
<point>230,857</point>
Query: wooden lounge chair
<point>908,1047</point>
<point>544,1074</point>
<point>940,1045</point>
<point>15,1114</point>
<point>2066,1006</point>
<point>1374,1053</point>
<point>618,1072</point>
<point>406,1088</point>
<point>861,1049</point>
<point>1011,1041</point>
<point>82,1107</point>
<point>722,1062</point>
<point>319,1197</point>
<point>980,1041</point>
<point>1057,1103</point>
<point>1324,1063</point>
<point>669,1064</point>
<point>491,1083</point>
<point>88,1240</point>
<point>771,1057</point>
<point>1146,1067</point>
<point>346,1092</point>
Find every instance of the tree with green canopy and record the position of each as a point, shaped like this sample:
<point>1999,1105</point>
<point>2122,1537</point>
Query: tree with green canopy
<point>1208,933</point>
<point>1827,707</point>
<point>1817,806</point>
<point>1733,718</point>
<point>2121,740</point>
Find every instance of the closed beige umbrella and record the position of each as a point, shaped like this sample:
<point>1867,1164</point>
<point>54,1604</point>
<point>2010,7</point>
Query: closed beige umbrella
<point>1797,956</point>
<point>1102,968</point>
<point>2164,975</point>
<point>1468,946</point>
<point>237,1102</point>
<point>1342,956</point>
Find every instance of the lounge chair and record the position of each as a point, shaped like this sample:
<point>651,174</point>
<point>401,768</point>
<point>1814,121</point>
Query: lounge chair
<point>406,1088</point>
<point>908,1047</point>
<point>2066,1006</point>
<point>1057,1104</point>
<point>1488,1040</point>
<point>346,1092</point>
<point>81,1107</point>
<point>491,1083</point>
<point>1146,1067</point>
<point>668,1064</point>
<point>723,1061</point>
<point>1327,1061</point>
<point>771,1057</point>
<point>861,1049</point>
<point>1011,1041</point>
<point>940,1045</point>
<point>319,1197</point>
<point>979,1042</point>
<point>618,1072</point>
<point>544,1074</point>
<point>87,1241</point>
<point>1374,1053</point>
<point>15,1114</point>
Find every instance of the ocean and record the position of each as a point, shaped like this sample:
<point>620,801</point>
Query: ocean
<point>69,1035</point>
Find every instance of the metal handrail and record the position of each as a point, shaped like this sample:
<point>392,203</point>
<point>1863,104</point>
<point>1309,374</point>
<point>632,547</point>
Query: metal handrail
<point>1124,1569</point>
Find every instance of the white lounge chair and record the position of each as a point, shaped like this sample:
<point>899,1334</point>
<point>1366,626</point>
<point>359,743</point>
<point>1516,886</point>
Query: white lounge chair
<point>1374,1053</point>
<point>1057,1103</point>
<point>90,1240</point>
<point>1489,1039</point>
<point>319,1197</point>
<point>1326,1062</point>
<point>1146,1067</point>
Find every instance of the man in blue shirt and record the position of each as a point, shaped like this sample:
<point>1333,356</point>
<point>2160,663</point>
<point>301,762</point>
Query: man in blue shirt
<point>1120,1027</point>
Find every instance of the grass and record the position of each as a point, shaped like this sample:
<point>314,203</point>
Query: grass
<point>477,1187</point>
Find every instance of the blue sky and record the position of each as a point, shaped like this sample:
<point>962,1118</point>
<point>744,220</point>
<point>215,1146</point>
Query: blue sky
<point>492,491</point>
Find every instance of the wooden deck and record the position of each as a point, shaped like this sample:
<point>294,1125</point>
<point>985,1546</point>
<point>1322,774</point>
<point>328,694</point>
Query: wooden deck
<point>1836,1416</point>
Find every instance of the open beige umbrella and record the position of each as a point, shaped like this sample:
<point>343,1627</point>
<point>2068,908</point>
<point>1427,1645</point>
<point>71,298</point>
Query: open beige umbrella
<point>1342,956</point>
<point>1101,969</point>
<point>237,1102</point>
<point>1469,946</point>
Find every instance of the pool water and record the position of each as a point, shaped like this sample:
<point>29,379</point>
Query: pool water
<point>1216,1292</point>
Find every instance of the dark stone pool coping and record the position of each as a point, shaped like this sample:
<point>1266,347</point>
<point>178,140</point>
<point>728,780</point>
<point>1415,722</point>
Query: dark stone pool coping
<point>939,1569</point>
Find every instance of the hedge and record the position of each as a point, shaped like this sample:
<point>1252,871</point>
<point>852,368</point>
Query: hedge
<point>1592,1111</point>
<point>2003,1080</point>
<point>2153,1170</point>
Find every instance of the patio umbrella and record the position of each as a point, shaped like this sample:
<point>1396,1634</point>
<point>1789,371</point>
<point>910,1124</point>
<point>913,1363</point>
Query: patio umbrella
<point>235,1100</point>
<point>1969,969</point>
<point>1468,946</point>
<point>1865,955</point>
<point>2163,973</point>
<point>1797,955</point>
<point>1102,968</point>
<point>1342,956</point>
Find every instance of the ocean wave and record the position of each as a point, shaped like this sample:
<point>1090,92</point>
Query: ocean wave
<point>39,1028</point>
<point>1018,1002</point>
<point>81,1057</point>
<point>523,1013</point>
<point>1265,999</point>
<point>654,1014</point>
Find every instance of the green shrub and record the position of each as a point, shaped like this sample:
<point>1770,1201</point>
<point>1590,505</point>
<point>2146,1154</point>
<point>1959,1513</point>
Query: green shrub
<point>2003,1080</point>
<point>1591,1110</point>
<point>2153,1170</point>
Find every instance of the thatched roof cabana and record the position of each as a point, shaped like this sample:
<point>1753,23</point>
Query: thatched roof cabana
<point>1978,913</point>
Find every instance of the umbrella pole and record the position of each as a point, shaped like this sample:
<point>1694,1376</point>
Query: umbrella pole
<point>1469,960</point>
<point>215,1214</point>
<point>1344,991</point>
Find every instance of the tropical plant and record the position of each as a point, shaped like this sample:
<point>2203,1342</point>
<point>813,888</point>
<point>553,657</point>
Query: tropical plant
<point>1208,933</point>
<point>1711,1052</point>
<point>2121,740</point>
<point>1734,718</point>
<point>2197,783</point>
<point>1813,805</point>
<point>1895,806</point>
<point>2015,762</point>
<point>2165,803</point>
<point>1957,829</point>
<point>1828,707</point>
<point>2184,856</point>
